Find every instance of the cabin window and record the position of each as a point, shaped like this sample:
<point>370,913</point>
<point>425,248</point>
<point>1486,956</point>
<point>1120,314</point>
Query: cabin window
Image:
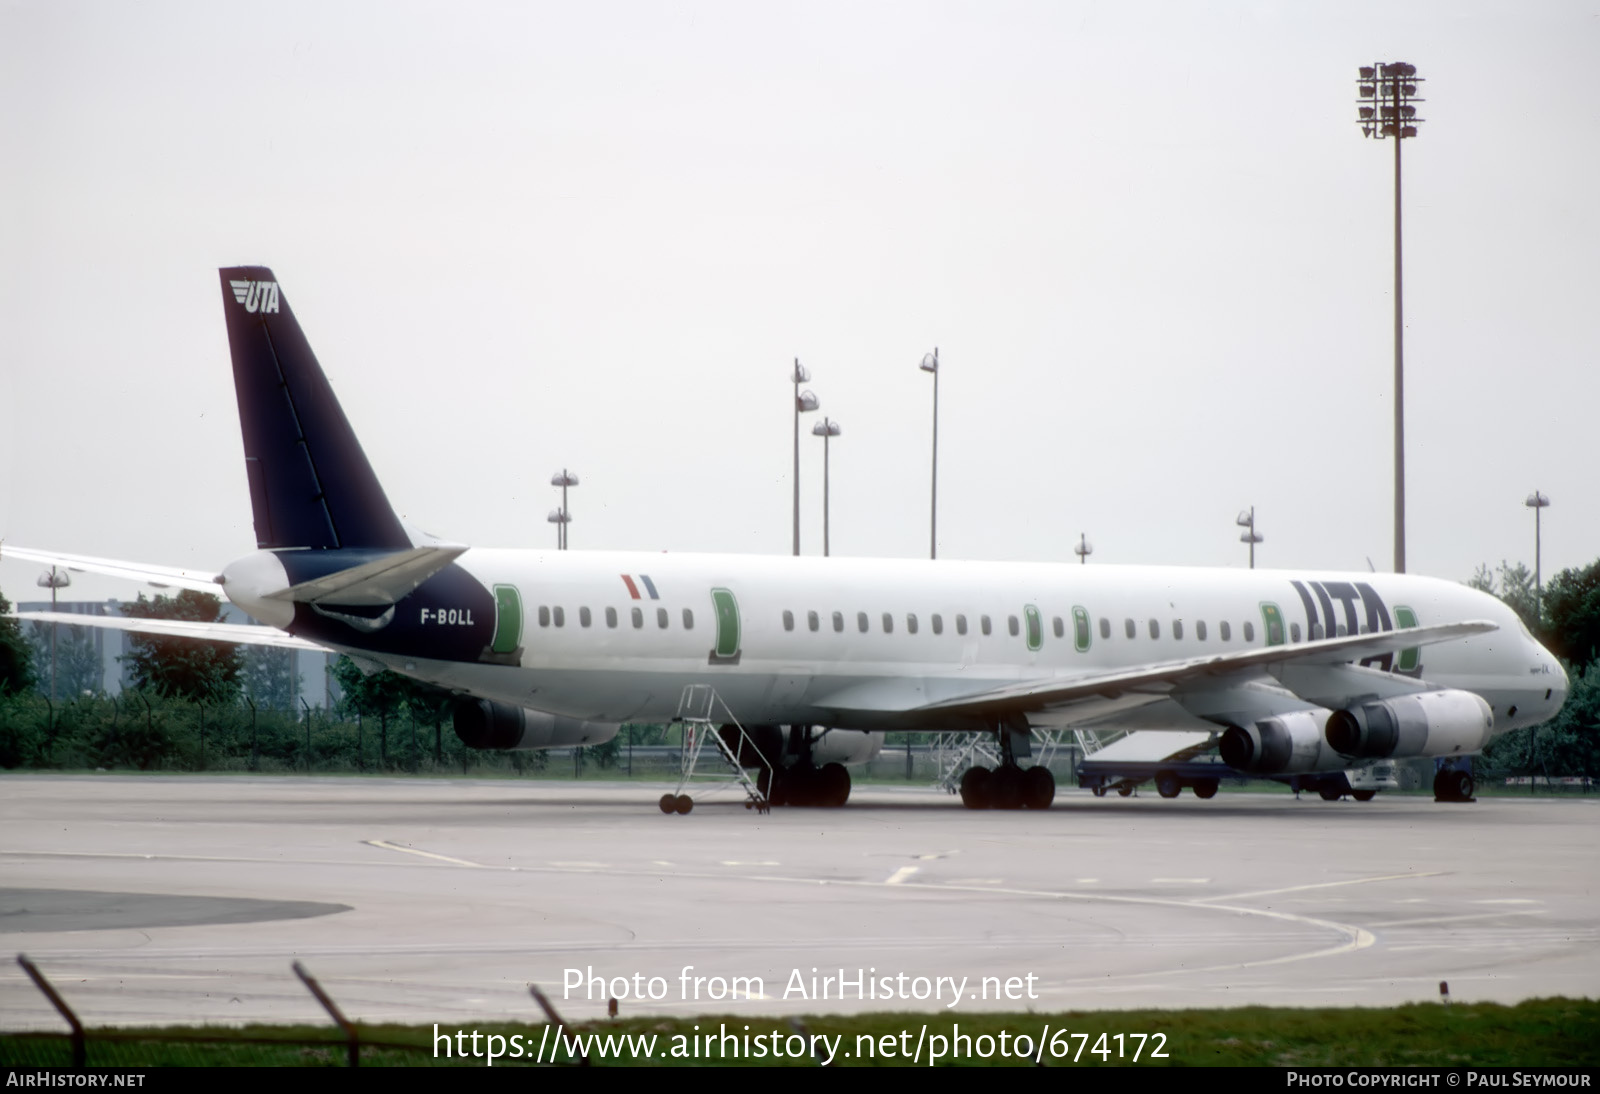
<point>1200,629</point>
<point>1343,630</point>
<point>1105,628</point>
<point>1294,632</point>
<point>961,624</point>
<point>1274,633</point>
<point>788,620</point>
<point>938,623</point>
<point>1155,628</point>
<point>1249,631</point>
<point>813,621</point>
<point>1177,630</point>
<point>1059,627</point>
<point>611,617</point>
<point>688,620</point>
<point>544,616</point>
<point>1227,634</point>
<point>1013,626</point>
<point>560,616</point>
<point>661,618</point>
<point>861,622</point>
<point>1128,627</point>
<point>584,618</point>
<point>983,624</point>
<point>838,622</point>
<point>1316,632</point>
<point>911,623</point>
<point>888,623</point>
<point>638,618</point>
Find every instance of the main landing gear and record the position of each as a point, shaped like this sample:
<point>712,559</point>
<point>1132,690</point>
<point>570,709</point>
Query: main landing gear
<point>1009,786</point>
<point>806,784</point>
<point>1453,786</point>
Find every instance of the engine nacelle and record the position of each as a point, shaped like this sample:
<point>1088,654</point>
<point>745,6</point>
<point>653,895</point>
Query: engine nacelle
<point>1430,723</point>
<point>769,745</point>
<point>1285,744</point>
<point>846,746</point>
<point>489,725</point>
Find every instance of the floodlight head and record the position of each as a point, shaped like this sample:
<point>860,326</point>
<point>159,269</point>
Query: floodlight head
<point>558,516</point>
<point>801,374</point>
<point>1537,500</point>
<point>806,402</point>
<point>1368,72</point>
<point>1246,518</point>
<point>826,428</point>
<point>1252,537</point>
<point>563,478</point>
<point>54,579</point>
<point>930,362</point>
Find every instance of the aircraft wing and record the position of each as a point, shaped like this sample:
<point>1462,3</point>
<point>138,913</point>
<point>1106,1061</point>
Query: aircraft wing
<point>1153,681</point>
<point>242,633</point>
<point>162,577</point>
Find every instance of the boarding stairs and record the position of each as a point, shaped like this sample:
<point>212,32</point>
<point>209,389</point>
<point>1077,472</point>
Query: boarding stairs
<point>698,709</point>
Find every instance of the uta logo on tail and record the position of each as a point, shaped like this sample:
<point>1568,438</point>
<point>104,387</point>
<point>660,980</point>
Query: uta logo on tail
<point>256,296</point>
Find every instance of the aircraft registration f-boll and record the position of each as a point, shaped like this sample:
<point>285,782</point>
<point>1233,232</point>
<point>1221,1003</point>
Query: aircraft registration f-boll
<point>1293,672</point>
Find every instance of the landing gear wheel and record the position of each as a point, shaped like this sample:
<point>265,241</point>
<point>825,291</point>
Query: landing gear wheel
<point>975,787</point>
<point>1330,793</point>
<point>1167,785</point>
<point>1099,791</point>
<point>1038,788</point>
<point>1206,788</point>
<point>1005,789</point>
<point>1453,786</point>
<point>683,804</point>
<point>1363,795</point>
<point>1125,789</point>
<point>669,803</point>
<point>833,785</point>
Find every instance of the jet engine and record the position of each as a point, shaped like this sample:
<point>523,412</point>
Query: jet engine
<point>1281,745</point>
<point>846,746</point>
<point>842,746</point>
<point>1430,723</point>
<point>481,723</point>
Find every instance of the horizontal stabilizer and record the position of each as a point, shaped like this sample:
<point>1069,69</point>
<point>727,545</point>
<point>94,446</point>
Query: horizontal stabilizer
<point>383,580</point>
<point>242,633</point>
<point>162,577</point>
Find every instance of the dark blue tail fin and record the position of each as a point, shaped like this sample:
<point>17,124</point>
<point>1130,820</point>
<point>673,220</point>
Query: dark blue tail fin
<point>310,483</point>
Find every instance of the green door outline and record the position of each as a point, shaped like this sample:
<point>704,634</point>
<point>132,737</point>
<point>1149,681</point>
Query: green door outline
<point>726,609</point>
<point>1080,628</point>
<point>1404,617</point>
<point>1272,621</point>
<point>507,620</point>
<point>1035,627</point>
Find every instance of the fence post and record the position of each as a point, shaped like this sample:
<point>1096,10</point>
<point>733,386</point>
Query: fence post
<point>255,749</point>
<point>308,734</point>
<point>79,1049</point>
<point>352,1035</point>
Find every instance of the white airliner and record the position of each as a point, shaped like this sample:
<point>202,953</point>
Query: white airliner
<point>1294,672</point>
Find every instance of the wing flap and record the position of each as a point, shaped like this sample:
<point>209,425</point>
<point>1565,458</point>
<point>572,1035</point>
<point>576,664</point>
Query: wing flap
<point>1035,695</point>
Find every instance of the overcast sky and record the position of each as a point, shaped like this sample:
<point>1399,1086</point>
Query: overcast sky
<point>1149,240</point>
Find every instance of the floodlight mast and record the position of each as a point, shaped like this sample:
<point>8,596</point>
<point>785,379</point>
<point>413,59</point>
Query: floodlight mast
<point>1388,92</point>
<point>804,403</point>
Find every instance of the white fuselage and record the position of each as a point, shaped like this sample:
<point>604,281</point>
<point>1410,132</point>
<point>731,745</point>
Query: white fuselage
<point>859,643</point>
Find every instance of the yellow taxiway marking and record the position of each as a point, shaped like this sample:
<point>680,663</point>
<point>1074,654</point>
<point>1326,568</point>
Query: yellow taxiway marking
<point>387,846</point>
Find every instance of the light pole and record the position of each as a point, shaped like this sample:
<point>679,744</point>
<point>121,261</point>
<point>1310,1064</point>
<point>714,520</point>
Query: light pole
<point>563,516</point>
<point>804,403</point>
<point>1385,110</point>
<point>1537,502</point>
<point>1083,549</point>
<point>53,579</point>
<point>930,363</point>
<point>827,429</point>
<point>1247,521</point>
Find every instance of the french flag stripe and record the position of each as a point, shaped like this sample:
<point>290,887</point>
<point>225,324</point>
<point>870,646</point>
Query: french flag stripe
<point>633,590</point>
<point>650,586</point>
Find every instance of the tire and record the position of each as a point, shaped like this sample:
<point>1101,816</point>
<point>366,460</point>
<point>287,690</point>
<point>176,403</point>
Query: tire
<point>1168,785</point>
<point>1206,788</point>
<point>1125,789</point>
<point>1099,791</point>
<point>833,785</point>
<point>668,803</point>
<point>975,787</point>
<point>1363,795</point>
<point>1005,788</point>
<point>1462,786</point>
<point>1038,788</point>
<point>684,804</point>
<point>1331,793</point>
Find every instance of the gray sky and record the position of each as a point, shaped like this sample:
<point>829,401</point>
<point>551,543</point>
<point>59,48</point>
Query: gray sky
<point>1149,240</point>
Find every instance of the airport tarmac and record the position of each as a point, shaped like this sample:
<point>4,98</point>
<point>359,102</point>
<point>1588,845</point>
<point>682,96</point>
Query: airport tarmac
<point>185,899</point>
